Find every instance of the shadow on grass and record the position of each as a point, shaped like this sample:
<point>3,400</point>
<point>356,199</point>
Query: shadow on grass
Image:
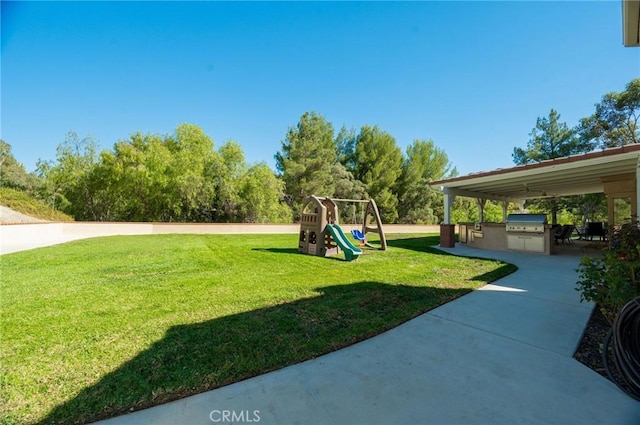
<point>420,244</point>
<point>193,358</point>
<point>427,243</point>
<point>337,257</point>
<point>277,250</point>
<point>502,271</point>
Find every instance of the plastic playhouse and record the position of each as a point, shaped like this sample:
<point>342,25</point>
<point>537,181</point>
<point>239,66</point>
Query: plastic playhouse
<point>320,233</point>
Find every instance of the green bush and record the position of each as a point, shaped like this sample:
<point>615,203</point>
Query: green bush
<point>613,279</point>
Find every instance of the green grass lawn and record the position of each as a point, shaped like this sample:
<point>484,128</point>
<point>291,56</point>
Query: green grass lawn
<point>100,327</point>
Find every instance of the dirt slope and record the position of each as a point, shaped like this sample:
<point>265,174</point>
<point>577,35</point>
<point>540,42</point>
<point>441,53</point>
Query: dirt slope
<point>7,215</point>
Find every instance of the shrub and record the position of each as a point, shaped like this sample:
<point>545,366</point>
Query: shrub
<point>613,279</point>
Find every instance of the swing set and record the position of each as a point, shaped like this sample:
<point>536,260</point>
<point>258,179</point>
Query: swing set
<point>371,222</point>
<point>320,233</point>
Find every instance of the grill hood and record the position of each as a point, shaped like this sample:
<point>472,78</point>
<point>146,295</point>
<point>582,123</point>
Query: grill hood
<point>527,218</point>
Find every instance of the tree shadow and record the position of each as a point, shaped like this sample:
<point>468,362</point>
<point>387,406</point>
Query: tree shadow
<point>420,244</point>
<point>197,357</point>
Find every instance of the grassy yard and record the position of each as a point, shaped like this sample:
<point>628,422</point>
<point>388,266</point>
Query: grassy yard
<point>96,328</point>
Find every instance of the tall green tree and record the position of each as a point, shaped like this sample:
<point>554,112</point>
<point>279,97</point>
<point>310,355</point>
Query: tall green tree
<point>378,164</point>
<point>142,166</point>
<point>161,178</point>
<point>550,139</point>
<point>261,195</point>
<point>109,200</point>
<point>192,156</point>
<point>616,119</point>
<point>12,173</point>
<point>231,170</point>
<point>346,148</point>
<point>67,181</point>
<point>424,162</point>
<point>306,160</point>
<point>348,187</point>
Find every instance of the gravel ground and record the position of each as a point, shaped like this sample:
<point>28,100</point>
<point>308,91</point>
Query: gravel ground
<point>589,351</point>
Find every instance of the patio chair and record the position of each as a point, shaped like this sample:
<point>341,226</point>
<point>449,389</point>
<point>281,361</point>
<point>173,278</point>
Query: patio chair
<point>564,233</point>
<point>596,229</point>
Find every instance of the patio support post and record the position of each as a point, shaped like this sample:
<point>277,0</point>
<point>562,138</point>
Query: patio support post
<point>504,211</point>
<point>448,202</point>
<point>447,230</point>
<point>638,191</point>
<point>481,203</point>
<point>521,205</point>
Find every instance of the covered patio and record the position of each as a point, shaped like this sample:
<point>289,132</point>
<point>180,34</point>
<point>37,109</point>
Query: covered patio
<point>614,172</point>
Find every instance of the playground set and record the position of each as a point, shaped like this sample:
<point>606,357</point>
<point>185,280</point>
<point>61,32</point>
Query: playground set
<point>321,234</point>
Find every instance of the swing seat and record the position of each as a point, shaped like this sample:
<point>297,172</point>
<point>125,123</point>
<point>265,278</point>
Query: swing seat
<point>357,235</point>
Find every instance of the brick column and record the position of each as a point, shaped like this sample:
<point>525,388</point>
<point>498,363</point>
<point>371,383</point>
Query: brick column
<point>448,235</point>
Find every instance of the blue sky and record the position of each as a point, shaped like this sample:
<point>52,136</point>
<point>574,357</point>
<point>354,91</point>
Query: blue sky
<point>471,76</point>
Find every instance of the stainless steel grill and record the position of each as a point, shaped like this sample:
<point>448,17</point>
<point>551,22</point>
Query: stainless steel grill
<point>526,223</point>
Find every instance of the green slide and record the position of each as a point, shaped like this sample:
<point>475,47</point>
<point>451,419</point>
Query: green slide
<point>351,252</point>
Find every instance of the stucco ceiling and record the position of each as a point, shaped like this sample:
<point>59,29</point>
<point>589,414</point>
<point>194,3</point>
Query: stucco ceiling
<point>573,175</point>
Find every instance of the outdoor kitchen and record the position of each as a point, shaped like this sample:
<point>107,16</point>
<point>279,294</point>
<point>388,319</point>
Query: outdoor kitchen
<point>615,172</point>
<point>521,232</point>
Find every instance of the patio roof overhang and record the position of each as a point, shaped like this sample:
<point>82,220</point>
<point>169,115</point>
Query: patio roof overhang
<point>572,175</point>
<point>631,23</point>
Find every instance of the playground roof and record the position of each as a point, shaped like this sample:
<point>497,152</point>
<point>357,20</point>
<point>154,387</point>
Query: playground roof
<point>572,175</point>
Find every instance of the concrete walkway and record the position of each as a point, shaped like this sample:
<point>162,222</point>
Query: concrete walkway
<point>500,355</point>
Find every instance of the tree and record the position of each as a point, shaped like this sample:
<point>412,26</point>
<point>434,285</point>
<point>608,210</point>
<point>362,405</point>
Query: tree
<point>232,168</point>
<point>306,160</point>
<point>67,182</point>
<point>142,168</point>
<point>346,148</point>
<point>378,164</point>
<point>159,178</point>
<point>109,201</point>
<point>261,195</point>
<point>465,210</point>
<point>348,187</point>
<point>12,173</point>
<point>424,162</point>
<point>587,207</point>
<point>615,121</point>
<point>192,156</point>
<point>550,139</point>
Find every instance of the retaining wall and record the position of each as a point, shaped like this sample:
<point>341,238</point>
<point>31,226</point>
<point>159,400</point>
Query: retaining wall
<point>18,237</point>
